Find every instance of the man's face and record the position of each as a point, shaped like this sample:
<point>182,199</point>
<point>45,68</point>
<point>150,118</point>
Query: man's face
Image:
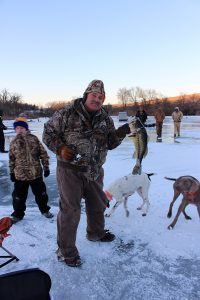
<point>94,101</point>
<point>20,129</point>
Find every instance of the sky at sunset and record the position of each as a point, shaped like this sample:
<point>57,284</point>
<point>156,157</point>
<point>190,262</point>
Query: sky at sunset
<point>51,49</point>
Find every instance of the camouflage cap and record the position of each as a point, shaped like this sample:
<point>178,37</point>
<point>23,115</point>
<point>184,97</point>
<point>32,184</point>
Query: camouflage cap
<point>95,86</point>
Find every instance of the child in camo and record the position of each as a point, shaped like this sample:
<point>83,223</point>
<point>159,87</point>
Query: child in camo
<point>25,157</point>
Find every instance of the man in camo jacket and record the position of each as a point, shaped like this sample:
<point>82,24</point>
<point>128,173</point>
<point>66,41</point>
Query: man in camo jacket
<point>81,135</point>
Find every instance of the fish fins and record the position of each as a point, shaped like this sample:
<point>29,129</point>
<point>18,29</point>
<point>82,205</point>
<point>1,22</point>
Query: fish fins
<point>146,152</point>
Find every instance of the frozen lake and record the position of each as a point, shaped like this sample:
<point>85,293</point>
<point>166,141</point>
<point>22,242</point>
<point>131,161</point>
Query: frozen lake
<point>146,261</point>
<point>190,133</point>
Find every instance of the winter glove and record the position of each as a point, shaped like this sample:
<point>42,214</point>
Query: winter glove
<point>12,177</point>
<point>65,153</point>
<point>46,173</point>
<point>123,130</point>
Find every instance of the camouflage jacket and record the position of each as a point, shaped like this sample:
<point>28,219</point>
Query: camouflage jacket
<point>89,137</point>
<point>26,155</point>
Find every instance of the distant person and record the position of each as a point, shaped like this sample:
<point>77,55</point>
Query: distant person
<point>2,138</point>
<point>159,117</point>
<point>25,157</point>
<point>177,116</point>
<point>142,115</point>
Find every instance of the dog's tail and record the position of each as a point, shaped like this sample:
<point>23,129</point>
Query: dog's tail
<point>169,178</point>
<point>150,174</point>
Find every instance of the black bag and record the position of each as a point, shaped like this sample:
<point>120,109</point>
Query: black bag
<point>30,284</point>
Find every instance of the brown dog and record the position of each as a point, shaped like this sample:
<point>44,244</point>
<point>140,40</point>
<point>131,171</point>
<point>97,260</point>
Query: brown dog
<point>189,187</point>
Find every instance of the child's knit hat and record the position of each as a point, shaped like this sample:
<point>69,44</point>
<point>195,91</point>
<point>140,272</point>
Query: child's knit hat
<point>21,121</point>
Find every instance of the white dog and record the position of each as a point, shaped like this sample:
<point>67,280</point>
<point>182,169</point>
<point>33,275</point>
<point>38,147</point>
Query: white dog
<point>125,186</point>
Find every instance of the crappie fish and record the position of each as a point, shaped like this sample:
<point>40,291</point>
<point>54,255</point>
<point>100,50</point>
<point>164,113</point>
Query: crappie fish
<point>140,139</point>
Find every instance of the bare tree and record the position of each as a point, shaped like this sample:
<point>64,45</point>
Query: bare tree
<point>15,100</point>
<point>134,94</point>
<point>4,96</point>
<point>151,95</point>
<point>143,97</point>
<point>123,96</point>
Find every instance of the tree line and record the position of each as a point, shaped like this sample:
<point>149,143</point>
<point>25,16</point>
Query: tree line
<point>150,100</point>
<point>11,105</point>
<point>129,100</point>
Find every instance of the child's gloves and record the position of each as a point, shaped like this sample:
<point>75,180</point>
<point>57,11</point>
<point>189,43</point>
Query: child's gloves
<point>12,177</point>
<point>123,130</point>
<point>65,153</point>
<point>46,173</point>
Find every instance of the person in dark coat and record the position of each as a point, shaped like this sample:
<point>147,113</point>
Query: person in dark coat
<point>142,115</point>
<point>2,138</point>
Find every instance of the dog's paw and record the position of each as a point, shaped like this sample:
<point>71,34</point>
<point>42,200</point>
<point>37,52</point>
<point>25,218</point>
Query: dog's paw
<point>170,227</point>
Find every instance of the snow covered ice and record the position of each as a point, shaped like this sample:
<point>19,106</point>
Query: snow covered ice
<point>146,261</point>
